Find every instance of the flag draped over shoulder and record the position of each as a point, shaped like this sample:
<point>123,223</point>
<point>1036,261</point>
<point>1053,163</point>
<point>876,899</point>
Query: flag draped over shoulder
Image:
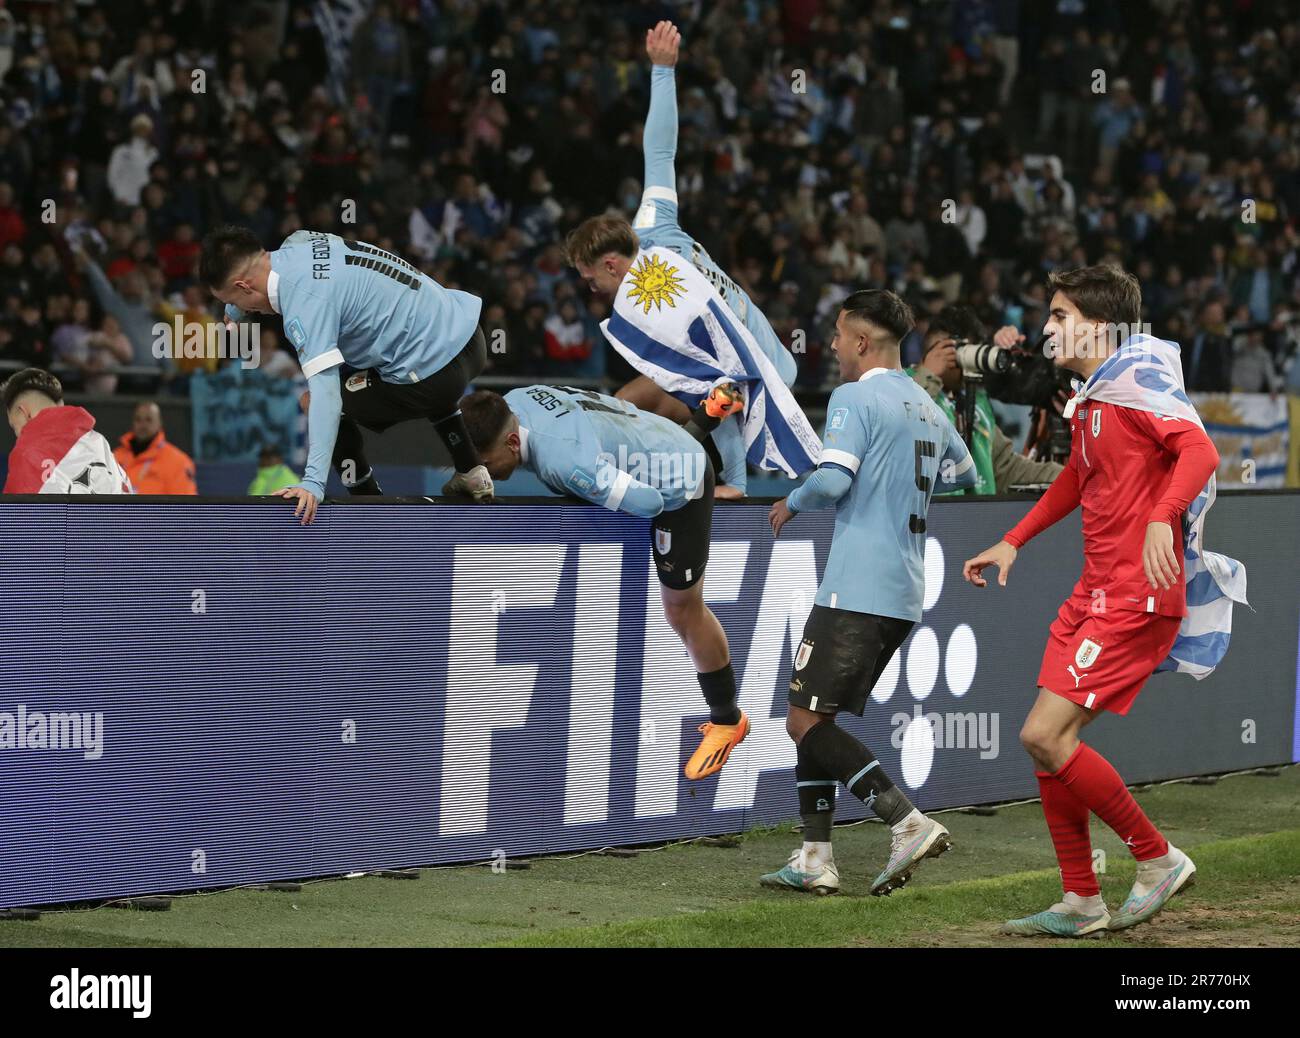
<point>1146,373</point>
<point>672,326</point>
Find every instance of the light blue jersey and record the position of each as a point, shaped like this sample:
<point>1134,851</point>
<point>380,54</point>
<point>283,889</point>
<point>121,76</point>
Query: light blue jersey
<point>606,451</point>
<point>886,447</point>
<point>346,302</point>
<point>656,224</point>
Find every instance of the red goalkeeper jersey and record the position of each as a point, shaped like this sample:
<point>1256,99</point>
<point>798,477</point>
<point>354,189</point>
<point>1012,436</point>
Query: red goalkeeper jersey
<point>1127,468</point>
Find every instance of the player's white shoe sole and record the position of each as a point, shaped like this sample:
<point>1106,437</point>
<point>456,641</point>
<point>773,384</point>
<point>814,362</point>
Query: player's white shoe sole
<point>475,484</point>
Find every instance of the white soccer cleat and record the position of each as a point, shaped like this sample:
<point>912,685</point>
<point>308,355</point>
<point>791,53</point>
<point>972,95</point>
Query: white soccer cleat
<point>915,839</point>
<point>476,484</point>
<point>810,875</point>
<point>1157,881</point>
<point>1072,917</point>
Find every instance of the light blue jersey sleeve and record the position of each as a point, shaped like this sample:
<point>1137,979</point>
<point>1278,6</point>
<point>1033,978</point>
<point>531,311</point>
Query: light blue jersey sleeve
<point>956,466</point>
<point>565,453</point>
<point>656,219</point>
<point>312,326</point>
<point>844,445</point>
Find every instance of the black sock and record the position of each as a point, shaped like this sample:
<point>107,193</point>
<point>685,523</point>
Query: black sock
<point>350,459</point>
<point>700,424</point>
<point>719,688</point>
<point>367,486</point>
<point>853,764</point>
<point>454,434</point>
<point>816,797</point>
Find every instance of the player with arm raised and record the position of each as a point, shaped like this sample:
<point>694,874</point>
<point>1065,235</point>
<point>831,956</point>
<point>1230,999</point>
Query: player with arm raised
<point>655,224</point>
<point>887,447</point>
<point>606,451</point>
<point>412,345</point>
<point>1139,460</point>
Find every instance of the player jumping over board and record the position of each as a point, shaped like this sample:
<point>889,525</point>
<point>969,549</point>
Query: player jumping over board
<point>413,346</point>
<point>603,248</point>
<point>594,447</point>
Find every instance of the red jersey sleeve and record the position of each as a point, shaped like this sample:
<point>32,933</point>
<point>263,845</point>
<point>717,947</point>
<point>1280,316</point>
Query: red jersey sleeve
<point>24,471</point>
<point>1061,499</point>
<point>1197,458</point>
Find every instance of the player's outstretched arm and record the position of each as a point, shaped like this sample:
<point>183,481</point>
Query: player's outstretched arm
<point>659,140</point>
<point>1002,555</point>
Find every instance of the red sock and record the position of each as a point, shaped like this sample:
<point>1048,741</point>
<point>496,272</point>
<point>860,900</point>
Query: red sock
<point>1090,777</point>
<point>1067,821</point>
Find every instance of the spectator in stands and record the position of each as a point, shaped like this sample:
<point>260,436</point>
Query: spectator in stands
<point>93,353</point>
<point>128,168</point>
<point>272,473</point>
<point>58,450</point>
<point>154,465</point>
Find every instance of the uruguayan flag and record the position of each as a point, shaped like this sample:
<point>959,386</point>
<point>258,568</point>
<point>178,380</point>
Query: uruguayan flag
<point>673,327</point>
<point>1145,373</point>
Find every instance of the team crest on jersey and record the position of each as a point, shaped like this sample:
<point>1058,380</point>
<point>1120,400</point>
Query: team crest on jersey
<point>1096,422</point>
<point>297,334</point>
<point>357,381</point>
<point>663,541</point>
<point>1087,653</point>
<point>802,656</point>
<point>581,481</point>
<point>837,418</point>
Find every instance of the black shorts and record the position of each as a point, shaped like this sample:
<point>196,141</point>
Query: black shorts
<point>841,658</point>
<point>375,404</point>
<point>680,539</point>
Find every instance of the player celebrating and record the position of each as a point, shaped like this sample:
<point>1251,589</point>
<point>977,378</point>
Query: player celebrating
<point>594,447</point>
<point>886,446</point>
<point>1139,457</point>
<point>603,248</point>
<point>414,346</point>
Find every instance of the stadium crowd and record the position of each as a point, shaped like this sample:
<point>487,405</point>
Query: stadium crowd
<point>950,151</point>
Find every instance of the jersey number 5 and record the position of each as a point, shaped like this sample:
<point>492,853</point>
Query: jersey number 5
<point>921,449</point>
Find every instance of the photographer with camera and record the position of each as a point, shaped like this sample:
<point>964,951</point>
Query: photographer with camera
<point>966,402</point>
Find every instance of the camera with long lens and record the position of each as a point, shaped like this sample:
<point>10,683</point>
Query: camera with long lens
<point>1020,376</point>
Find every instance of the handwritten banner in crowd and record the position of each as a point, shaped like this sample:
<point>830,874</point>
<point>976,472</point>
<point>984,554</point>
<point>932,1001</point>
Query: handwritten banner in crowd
<point>237,412</point>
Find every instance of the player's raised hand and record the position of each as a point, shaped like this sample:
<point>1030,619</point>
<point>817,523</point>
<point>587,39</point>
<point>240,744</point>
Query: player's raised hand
<point>661,44</point>
<point>307,502</point>
<point>1159,561</point>
<point>1001,555</point>
<point>779,516</point>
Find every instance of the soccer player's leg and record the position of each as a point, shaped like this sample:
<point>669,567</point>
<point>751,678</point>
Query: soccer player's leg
<point>679,542</point>
<point>1095,661</point>
<point>644,393</point>
<point>443,391</point>
<point>839,661</point>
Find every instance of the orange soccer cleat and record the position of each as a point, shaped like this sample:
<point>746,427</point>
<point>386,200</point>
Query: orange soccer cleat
<point>724,400</point>
<point>719,740</point>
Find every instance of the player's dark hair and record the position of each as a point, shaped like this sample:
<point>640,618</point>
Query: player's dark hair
<point>956,322</point>
<point>30,380</point>
<point>224,250</point>
<point>592,238</point>
<point>1103,292</point>
<point>486,416</point>
<point>882,308</point>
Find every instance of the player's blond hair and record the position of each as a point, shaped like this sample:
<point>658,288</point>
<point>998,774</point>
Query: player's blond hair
<point>593,238</point>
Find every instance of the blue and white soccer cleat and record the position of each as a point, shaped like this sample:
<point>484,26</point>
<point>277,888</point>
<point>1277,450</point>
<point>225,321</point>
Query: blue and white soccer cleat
<point>916,838</point>
<point>1061,920</point>
<point>1157,881</point>
<point>818,877</point>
